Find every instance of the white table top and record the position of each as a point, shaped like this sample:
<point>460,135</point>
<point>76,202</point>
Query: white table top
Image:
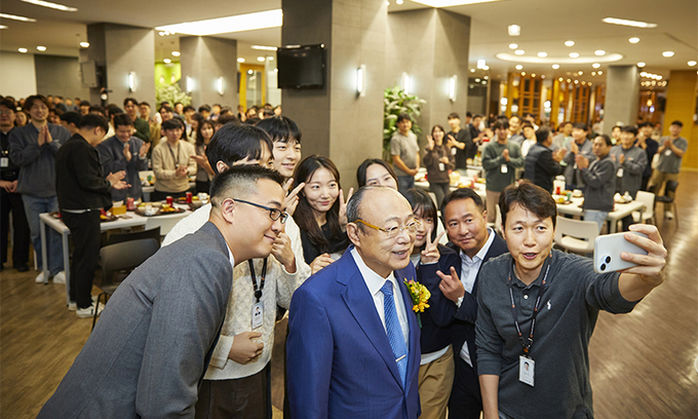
<point>619,210</point>
<point>130,219</point>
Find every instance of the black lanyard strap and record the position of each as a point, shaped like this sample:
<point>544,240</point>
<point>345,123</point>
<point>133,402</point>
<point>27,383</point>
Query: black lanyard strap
<point>527,343</point>
<point>175,159</point>
<point>257,288</point>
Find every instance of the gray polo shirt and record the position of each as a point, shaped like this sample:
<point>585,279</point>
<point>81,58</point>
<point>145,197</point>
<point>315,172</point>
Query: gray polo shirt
<point>669,162</point>
<point>569,309</point>
<point>407,148</point>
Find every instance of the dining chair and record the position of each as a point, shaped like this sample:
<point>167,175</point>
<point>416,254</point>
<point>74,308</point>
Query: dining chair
<point>669,198</point>
<point>647,199</point>
<point>576,236</point>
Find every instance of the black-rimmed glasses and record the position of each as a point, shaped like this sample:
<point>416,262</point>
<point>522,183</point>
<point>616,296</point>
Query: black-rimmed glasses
<point>274,213</point>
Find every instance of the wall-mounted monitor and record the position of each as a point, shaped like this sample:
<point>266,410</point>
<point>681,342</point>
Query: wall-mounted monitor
<point>301,67</point>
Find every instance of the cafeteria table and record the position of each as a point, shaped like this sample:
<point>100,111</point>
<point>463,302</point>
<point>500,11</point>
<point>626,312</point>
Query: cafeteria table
<point>130,219</point>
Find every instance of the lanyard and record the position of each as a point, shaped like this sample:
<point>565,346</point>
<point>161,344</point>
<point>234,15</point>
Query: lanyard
<point>527,343</point>
<point>257,288</point>
<point>175,159</point>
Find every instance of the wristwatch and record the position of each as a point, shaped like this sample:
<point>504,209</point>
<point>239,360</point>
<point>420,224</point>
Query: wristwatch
<point>460,301</point>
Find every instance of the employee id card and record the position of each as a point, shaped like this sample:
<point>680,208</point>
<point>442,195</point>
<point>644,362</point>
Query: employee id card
<point>668,152</point>
<point>504,168</point>
<point>620,172</point>
<point>257,315</point>
<point>442,167</point>
<point>527,368</point>
<point>4,162</point>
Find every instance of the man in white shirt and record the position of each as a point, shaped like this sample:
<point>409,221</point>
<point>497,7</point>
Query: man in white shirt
<point>353,343</point>
<point>466,224</point>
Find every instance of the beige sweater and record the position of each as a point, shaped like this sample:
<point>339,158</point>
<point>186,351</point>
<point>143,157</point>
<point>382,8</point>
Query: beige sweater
<point>165,161</point>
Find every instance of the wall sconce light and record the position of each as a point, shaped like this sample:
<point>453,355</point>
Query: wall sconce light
<point>406,83</point>
<point>189,85</point>
<point>361,80</point>
<point>131,81</point>
<point>219,85</point>
<point>452,85</point>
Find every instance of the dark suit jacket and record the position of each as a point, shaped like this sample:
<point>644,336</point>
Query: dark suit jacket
<point>339,363</point>
<point>150,348</point>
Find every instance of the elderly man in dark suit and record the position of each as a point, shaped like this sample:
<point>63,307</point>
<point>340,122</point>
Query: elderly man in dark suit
<point>151,347</point>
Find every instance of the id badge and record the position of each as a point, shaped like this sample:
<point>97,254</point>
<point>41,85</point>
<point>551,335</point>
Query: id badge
<point>453,151</point>
<point>619,173</point>
<point>504,169</point>
<point>257,315</point>
<point>667,152</point>
<point>4,162</point>
<point>527,368</point>
<point>442,167</point>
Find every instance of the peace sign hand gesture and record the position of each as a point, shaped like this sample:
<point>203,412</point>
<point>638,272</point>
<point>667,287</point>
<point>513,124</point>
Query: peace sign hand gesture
<point>451,286</point>
<point>292,196</point>
<point>343,207</point>
<point>431,254</point>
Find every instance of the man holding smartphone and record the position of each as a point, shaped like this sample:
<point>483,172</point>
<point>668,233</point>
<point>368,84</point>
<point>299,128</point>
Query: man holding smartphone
<point>538,308</point>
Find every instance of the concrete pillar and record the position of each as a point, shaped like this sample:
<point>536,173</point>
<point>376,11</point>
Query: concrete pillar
<point>681,99</point>
<point>430,45</point>
<point>205,59</point>
<point>622,96</point>
<point>119,50</point>
<point>334,120</point>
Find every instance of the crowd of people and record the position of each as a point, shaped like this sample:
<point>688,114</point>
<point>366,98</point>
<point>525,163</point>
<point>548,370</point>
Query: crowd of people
<point>399,305</point>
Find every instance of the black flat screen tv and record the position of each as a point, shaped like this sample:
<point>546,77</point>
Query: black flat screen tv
<point>301,67</point>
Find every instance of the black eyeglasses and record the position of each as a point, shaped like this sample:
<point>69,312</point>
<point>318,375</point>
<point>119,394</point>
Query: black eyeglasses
<point>274,213</point>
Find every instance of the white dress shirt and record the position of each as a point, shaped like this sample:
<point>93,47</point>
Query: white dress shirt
<point>374,283</point>
<point>469,269</point>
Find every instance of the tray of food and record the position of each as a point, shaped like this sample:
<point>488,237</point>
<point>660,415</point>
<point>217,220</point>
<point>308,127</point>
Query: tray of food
<point>153,209</point>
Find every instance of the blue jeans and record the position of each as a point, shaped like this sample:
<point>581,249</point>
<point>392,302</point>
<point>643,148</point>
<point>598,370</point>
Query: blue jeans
<point>33,206</point>
<point>599,217</point>
<point>405,183</point>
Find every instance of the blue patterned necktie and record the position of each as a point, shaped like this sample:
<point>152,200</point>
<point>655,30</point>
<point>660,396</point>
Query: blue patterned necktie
<point>392,325</point>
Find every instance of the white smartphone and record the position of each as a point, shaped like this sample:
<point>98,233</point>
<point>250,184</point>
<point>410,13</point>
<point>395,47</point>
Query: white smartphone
<point>607,250</point>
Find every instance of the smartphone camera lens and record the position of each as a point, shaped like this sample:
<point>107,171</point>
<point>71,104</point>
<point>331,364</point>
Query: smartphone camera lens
<point>608,259</point>
<point>603,266</point>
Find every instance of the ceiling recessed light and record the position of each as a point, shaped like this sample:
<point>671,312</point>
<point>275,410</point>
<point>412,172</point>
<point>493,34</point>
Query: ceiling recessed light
<point>579,73</point>
<point>576,82</point>
<point>472,70</point>
<point>84,44</point>
<point>556,66</point>
<point>560,79</point>
<point>569,43</point>
<point>668,54</point>
<point>228,24</point>
<point>542,54</point>
<point>692,63</point>
<point>3,27</point>
<point>263,47</point>
<point>166,61</point>
<point>260,59</point>
<point>176,53</point>
<point>519,67</point>
<point>595,65</point>
<point>641,64</point>
<point>513,46</point>
<point>519,52</point>
<point>593,73</point>
<point>448,3</point>
<point>523,73</point>
<point>634,40</point>
<point>241,60</point>
<point>599,52</point>
<point>628,22</point>
<point>40,48</point>
<point>574,55</point>
<point>599,72</point>
<point>22,50</point>
<point>486,67</point>
<point>17,17</point>
<point>50,5</point>
<point>399,2</point>
<point>514,30</point>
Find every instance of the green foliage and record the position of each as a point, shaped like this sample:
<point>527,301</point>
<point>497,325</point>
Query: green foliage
<point>172,93</point>
<point>395,102</point>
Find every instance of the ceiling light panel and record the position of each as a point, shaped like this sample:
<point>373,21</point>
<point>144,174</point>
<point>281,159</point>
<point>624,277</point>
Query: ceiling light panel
<point>263,48</point>
<point>228,24</point>
<point>449,3</point>
<point>633,39</point>
<point>16,17</point>
<point>628,22</point>
<point>51,5</point>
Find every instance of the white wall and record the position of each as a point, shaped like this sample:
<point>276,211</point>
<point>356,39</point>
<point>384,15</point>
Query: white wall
<point>18,74</point>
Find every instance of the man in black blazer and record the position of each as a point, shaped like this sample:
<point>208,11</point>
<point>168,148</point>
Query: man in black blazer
<point>466,224</point>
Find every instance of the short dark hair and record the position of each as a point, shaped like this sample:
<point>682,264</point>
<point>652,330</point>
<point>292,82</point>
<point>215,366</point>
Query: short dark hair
<point>462,193</point>
<point>422,204</point>
<point>232,143</point>
<point>240,178</point>
<point>477,115</point>
<point>527,124</point>
<point>580,125</point>
<point>98,109</point>
<point>403,116</point>
<point>122,120</point>
<point>144,103</point>
<point>645,124</point>
<point>629,128</point>
<point>453,115</point>
<point>188,108</point>
<point>173,123</point>
<point>281,129</point>
<point>529,196</point>
<point>84,103</point>
<point>620,127</point>
<point>112,110</point>
<point>166,107</point>
<point>501,124</point>
<point>130,100</point>
<point>29,101</point>
<point>8,103</point>
<point>227,119</point>
<point>677,123</point>
<point>606,138</point>
<point>71,118</point>
<point>363,168</point>
<point>203,108</point>
<point>468,114</point>
<point>93,121</point>
<point>542,135</point>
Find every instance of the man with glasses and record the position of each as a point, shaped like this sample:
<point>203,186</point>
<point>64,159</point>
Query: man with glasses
<point>149,351</point>
<point>353,344</point>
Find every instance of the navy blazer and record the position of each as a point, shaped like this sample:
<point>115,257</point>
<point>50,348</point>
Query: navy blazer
<point>339,363</point>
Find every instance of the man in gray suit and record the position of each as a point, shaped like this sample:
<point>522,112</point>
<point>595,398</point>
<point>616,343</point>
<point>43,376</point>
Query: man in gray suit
<point>149,351</point>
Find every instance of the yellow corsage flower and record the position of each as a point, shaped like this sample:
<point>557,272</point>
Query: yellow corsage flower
<point>420,296</point>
